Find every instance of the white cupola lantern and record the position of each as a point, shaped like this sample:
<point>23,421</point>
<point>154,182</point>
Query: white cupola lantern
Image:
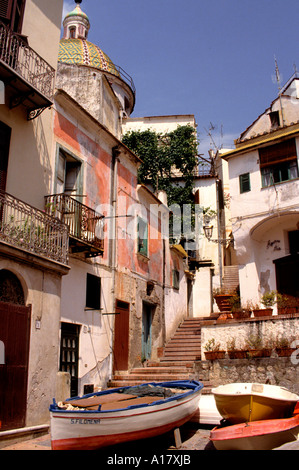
<point>76,24</point>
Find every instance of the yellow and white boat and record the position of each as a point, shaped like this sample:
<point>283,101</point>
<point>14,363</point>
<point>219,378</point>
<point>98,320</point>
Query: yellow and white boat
<point>246,402</point>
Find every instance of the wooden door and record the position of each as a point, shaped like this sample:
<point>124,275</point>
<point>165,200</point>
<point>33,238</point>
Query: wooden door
<point>15,336</point>
<point>121,336</point>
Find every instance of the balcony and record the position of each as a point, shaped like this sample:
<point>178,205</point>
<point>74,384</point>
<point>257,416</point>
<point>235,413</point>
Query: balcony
<point>85,224</point>
<point>27,228</point>
<point>27,77</point>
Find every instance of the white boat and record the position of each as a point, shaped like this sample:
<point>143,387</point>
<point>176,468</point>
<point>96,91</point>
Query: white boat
<point>246,402</point>
<point>121,414</point>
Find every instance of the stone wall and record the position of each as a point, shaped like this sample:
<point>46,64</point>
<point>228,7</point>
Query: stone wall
<point>273,370</point>
<point>268,329</point>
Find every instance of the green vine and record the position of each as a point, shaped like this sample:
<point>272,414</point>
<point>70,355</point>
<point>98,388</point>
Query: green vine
<point>164,156</point>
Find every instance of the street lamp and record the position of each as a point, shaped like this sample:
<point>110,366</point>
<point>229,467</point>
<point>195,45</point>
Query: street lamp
<point>208,231</point>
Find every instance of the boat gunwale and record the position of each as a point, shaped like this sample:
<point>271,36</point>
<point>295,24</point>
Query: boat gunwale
<point>293,397</point>
<point>194,386</point>
<point>257,428</point>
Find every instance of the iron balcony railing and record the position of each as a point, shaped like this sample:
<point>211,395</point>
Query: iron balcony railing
<point>28,228</point>
<point>24,61</point>
<point>85,224</point>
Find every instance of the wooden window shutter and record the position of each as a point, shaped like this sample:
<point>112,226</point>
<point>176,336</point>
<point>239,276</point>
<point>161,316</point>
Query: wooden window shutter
<point>6,9</point>
<point>274,154</point>
<point>244,183</point>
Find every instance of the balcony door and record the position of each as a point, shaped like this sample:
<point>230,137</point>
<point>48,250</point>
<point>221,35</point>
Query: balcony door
<point>5,133</point>
<point>69,175</point>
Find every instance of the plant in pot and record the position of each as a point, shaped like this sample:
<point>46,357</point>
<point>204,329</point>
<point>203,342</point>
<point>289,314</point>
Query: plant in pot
<point>257,348</point>
<point>213,351</point>
<point>222,299</point>
<point>268,300</point>
<point>235,352</point>
<point>239,312</point>
<point>283,346</point>
<point>287,304</point>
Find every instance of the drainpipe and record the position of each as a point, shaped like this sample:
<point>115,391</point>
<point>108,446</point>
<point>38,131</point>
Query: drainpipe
<point>113,235</point>
<point>219,235</point>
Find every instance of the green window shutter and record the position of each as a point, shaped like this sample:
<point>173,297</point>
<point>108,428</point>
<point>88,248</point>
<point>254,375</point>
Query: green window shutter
<point>244,183</point>
<point>142,230</point>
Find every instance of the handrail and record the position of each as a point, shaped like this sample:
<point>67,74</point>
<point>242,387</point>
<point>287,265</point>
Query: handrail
<point>84,223</point>
<point>27,63</point>
<point>28,228</point>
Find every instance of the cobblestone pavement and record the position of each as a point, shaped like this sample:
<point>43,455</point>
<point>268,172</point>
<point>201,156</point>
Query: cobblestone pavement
<point>193,437</point>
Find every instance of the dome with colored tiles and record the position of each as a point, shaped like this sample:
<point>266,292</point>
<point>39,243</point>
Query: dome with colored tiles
<point>82,52</point>
<point>74,47</point>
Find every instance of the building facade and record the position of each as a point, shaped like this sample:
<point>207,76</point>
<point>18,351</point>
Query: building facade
<point>263,176</point>
<point>33,245</point>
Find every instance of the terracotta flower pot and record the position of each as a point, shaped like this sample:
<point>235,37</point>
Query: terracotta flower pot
<point>212,355</point>
<point>255,353</point>
<point>287,310</point>
<point>222,301</point>
<point>239,315</point>
<point>263,312</point>
<point>284,352</point>
<point>237,354</point>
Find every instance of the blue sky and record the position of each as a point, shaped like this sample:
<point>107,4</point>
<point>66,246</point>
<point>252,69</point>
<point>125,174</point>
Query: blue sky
<point>210,58</point>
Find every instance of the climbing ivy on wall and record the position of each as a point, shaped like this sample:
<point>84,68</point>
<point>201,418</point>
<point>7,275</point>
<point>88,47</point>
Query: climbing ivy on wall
<point>163,156</point>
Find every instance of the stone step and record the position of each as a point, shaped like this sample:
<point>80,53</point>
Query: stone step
<point>172,364</point>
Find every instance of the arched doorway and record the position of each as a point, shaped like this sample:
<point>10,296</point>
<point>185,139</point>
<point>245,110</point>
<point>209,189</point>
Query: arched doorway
<point>15,336</point>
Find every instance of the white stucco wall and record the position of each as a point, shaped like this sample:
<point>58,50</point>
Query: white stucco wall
<point>96,327</point>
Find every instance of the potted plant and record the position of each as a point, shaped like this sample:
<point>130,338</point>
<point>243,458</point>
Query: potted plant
<point>283,346</point>
<point>239,312</point>
<point>287,304</point>
<point>222,299</point>
<point>268,300</point>
<point>235,352</point>
<point>256,347</point>
<point>213,351</point>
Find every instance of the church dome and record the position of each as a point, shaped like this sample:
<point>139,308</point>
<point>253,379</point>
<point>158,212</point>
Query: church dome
<point>75,49</point>
<point>82,52</point>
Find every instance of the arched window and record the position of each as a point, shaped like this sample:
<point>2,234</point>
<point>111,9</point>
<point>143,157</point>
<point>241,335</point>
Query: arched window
<point>11,290</point>
<point>72,32</point>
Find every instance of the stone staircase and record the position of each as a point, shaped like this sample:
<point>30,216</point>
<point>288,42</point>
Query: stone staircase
<point>176,362</point>
<point>231,278</point>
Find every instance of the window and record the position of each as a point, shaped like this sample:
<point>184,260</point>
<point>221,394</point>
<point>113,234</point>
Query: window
<point>11,13</point>
<point>244,183</point>
<point>93,292</point>
<point>278,163</point>
<point>72,32</point>
<point>69,175</point>
<point>142,241</point>
<point>176,279</point>
<point>275,119</point>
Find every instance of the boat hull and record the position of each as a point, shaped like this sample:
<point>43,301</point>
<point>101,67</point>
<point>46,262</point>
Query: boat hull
<point>90,430</point>
<point>257,435</point>
<point>240,403</point>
